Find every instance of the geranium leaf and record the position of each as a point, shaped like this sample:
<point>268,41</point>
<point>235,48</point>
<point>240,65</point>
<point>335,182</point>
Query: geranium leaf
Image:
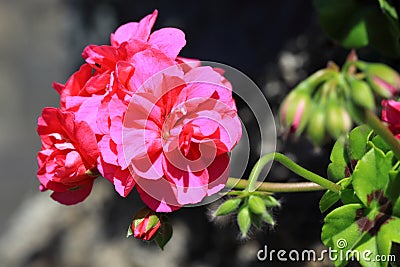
<point>164,234</point>
<point>371,174</point>
<point>328,200</point>
<point>357,144</point>
<point>346,152</point>
<point>355,24</point>
<point>354,228</point>
<point>340,225</point>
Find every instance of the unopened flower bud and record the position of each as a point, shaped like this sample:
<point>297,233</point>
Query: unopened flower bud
<point>316,127</point>
<point>227,207</point>
<point>295,111</point>
<point>145,224</point>
<point>383,79</point>
<point>257,205</point>
<point>361,94</point>
<point>271,202</point>
<point>244,220</point>
<point>338,120</point>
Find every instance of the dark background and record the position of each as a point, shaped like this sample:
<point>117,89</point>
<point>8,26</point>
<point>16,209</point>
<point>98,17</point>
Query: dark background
<point>276,43</point>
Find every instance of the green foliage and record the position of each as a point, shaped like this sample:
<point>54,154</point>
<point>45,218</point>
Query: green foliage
<point>164,234</point>
<point>369,219</point>
<point>358,23</point>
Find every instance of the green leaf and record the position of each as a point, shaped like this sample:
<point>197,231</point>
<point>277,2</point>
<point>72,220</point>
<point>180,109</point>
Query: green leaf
<point>388,8</point>
<point>346,152</point>
<point>227,207</point>
<point>355,24</point>
<point>129,232</point>
<point>256,205</point>
<point>164,234</point>
<point>339,161</point>
<point>244,220</point>
<point>354,228</point>
<point>392,191</point>
<point>378,142</point>
<point>371,174</point>
<point>340,225</point>
<point>357,144</point>
<point>347,195</point>
<point>327,200</point>
<point>350,30</point>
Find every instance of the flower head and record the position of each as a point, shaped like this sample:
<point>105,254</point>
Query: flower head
<point>100,91</point>
<point>69,153</point>
<point>178,131</point>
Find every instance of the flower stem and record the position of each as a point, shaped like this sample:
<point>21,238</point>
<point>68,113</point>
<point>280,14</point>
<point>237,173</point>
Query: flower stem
<point>288,163</point>
<point>375,123</point>
<point>237,183</point>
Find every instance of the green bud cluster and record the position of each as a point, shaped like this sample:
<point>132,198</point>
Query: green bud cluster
<point>325,105</point>
<point>252,209</point>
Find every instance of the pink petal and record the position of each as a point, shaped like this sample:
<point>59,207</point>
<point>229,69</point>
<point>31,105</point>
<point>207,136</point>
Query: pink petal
<point>71,197</point>
<point>218,173</point>
<point>101,57</point>
<point>122,180</point>
<point>134,30</point>
<point>147,63</point>
<point>87,109</point>
<point>158,195</point>
<point>191,186</point>
<point>169,40</point>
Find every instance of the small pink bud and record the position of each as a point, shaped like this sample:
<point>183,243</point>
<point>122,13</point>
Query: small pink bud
<point>386,89</point>
<point>145,224</point>
<point>384,80</point>
<point>295,111</point>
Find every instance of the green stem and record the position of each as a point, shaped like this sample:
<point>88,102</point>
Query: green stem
<point>375,123</point>
<point>240,184</point>
<point>311,83</point>
<point>288,163</point>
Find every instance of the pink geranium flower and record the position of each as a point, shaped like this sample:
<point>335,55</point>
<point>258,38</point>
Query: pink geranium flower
<point>391,115</point>
<point>100,91</point>
<point>68,156</point>
<point>178,131</point>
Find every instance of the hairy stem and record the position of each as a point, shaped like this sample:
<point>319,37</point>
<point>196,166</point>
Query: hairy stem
<point>237,183</point>
<point>288,163</point>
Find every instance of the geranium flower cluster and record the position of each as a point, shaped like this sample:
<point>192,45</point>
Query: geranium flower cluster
<point>137,114</point>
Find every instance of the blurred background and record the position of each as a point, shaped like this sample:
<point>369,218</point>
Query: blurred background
<point>276,43</point>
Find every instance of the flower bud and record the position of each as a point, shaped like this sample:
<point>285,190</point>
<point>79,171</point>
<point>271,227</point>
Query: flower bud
<point>266,216</point>
<point>338,120</point>
<point>244,220</point>
<point>316,127</point>
<point>227,207</point>
<point>145,224</point>
<point>271,202</point>
<point>361,94</point>
<point>295,111</point>
<point>256,205</point>
<point>384,80</point>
